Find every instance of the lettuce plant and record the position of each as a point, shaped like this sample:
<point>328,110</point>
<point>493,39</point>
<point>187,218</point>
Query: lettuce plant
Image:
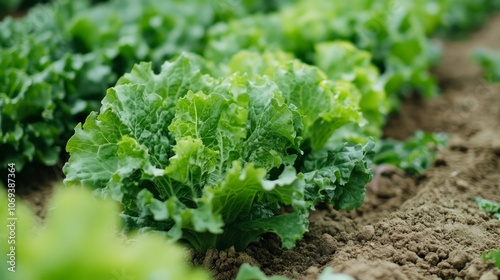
<point>219,159</point>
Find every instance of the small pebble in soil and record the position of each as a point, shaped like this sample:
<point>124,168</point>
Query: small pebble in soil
<point>366,233</point>
<point>312,270</point>
<point>462,184</point>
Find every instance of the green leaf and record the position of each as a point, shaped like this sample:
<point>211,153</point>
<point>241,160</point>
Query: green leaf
<point>323,106</point>
<point>289,227</point>
<point>192,163</point>
<point>338,176</point>
<point>414,155</point>
<point>218,122</point>
<point>493,255</point>
<point>236,195</point>
<point>272,128</point>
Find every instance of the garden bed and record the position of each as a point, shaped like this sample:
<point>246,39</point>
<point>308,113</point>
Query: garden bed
<point>413,227</point>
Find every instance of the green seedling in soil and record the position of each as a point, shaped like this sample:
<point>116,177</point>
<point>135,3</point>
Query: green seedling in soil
<point>490,207</point>
<point>414,155</point>
<point>490,62</point>
<point>493,255</point>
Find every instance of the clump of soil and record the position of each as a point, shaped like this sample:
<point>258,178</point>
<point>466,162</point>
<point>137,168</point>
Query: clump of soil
<point>426,227</point>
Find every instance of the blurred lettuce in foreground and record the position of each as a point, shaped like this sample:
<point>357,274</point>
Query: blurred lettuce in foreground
<point>80,240</point>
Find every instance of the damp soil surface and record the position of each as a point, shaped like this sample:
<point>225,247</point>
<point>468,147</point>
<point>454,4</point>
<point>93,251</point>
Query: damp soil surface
<point>413,227</point>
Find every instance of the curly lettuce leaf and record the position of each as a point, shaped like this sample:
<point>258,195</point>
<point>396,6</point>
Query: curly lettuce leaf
<point>323,106</point>
<point>341,60</point>
<point>338,175</point>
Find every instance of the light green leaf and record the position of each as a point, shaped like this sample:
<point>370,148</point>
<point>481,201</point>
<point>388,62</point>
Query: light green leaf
<point>218,122</point>
<point>192,163</point>
<point>322,105</point>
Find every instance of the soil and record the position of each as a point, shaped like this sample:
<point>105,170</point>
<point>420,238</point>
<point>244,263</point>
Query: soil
<point>426,227</point>
<point>414,227</point>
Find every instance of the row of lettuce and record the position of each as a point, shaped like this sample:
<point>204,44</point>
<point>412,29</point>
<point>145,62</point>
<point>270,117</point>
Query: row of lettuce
<point>58,60</point>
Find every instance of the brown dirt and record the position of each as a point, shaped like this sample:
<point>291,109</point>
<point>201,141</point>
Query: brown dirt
<point>424,227</point>
<point>36,186</point>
